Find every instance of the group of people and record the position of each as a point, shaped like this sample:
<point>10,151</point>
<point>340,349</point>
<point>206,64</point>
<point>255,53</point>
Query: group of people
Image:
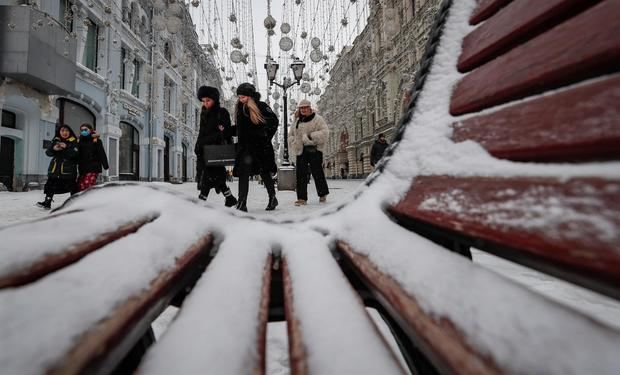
<point>76,162</point>
<point>255,125</point>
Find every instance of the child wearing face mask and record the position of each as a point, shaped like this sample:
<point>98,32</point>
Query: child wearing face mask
<point>91,159</point>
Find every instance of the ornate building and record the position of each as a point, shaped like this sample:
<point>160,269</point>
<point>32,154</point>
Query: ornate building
<point>129,67</point>
<point>364,96</point>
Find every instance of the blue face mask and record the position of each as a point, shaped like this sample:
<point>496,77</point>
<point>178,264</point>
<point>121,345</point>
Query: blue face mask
<point>84,133</point>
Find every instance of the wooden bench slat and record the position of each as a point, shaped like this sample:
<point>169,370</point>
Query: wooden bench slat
<point>519,21</point>
<point>570,229</point>
<point>583,125</point>
<point>222,323</point>
<point>585,46</point>
<point>467,319</point>
<point>485,9</point>
<point>449,350</point>
<point>37,259</point>
<point>98,308</point>
<point>326,319</point>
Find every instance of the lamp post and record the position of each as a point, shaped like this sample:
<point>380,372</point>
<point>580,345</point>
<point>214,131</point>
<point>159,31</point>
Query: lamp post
<point>272,68</point>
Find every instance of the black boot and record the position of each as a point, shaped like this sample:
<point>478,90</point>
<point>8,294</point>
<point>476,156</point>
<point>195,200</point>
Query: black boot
<point>47,203</point>
<point>230,199</point>
<point>273,202</point>
<point>203,196</point>
<point>242,205</point>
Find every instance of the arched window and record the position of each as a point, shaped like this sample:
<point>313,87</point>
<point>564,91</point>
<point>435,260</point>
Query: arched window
<point>129,153</point>
<point>74,115</point>
<point>168,52</point>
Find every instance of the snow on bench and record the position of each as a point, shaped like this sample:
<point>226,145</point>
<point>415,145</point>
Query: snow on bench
<point>512,159</point>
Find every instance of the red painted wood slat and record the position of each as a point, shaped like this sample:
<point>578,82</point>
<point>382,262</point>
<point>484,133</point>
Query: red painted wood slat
<point>449,350</point>
<point>582,47</point>
<point>573,225</point>
<point>516,23</point>
<point>583,125</point>
<point>485,9</point>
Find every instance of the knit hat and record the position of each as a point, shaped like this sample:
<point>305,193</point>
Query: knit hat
<point>208,92</point>
<point>248,89</point>
<point>304,103</point>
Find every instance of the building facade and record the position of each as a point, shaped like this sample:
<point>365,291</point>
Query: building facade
<point>120,65</point>
<point>364,96</point>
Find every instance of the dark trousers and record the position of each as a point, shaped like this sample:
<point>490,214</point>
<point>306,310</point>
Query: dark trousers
<point>315,161</point>
<point>244,184</point>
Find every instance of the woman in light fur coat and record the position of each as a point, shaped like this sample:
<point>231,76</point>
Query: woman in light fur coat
<point>307,141</point>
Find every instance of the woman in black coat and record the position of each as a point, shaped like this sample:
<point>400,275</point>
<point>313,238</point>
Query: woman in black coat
<point>91,158</point>
<point>215,129</point>
<point>62,170</point>
<point>256,124</point>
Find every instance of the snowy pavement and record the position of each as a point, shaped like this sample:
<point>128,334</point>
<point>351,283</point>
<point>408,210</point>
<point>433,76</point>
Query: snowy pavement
<point>20,207</point>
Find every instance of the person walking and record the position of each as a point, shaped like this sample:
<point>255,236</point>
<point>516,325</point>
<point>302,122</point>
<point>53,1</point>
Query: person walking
<point>91,157</point>
<point>255,125</point>
<point>307,140</point>
<point>378,149</point>
<point>215,129</point>
<point>62,170</point>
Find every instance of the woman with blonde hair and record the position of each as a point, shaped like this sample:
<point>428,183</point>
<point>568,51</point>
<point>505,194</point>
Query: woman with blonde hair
<point>256,124</point>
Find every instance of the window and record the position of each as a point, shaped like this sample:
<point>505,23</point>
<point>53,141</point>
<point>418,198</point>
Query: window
<point>167,52</point>
<point>184,112</point>
<point>8,119</point>
<point>89,58</point>
<point>167,94</point>
<point>129,153</point>
<point>74,115</point>
<point>135,84</point>
<point>123,74</point>
<point>65,14</point>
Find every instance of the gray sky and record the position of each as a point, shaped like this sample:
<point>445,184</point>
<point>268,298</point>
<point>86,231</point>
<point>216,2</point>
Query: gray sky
<point>259,10</point>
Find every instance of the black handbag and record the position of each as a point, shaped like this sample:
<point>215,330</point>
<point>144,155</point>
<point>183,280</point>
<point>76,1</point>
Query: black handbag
<point>219,155</point>
<point>310,149</point>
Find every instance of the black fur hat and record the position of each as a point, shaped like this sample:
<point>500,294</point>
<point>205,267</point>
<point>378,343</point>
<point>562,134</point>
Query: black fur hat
<point>208,92</point>
<point>248,89</point>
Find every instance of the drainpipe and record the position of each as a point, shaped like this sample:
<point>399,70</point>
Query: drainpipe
<point>151,94</point>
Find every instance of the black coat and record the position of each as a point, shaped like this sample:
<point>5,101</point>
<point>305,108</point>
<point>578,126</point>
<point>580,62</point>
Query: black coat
<point>64,162</point>
<point>254,149</point>
<point>91,155</point>
<point>377,151</point>
<point>210,134</point>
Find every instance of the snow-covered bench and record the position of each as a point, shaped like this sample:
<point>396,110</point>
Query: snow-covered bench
<point>514,152</point>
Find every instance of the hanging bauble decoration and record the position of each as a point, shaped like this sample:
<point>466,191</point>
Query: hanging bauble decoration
<point>317,91</point>
<point>297,2</point>
<point>173,24</point>
<point>285,28</point>
<point>232,18</point>
<point>236,56</point>
<point>286,43</point>
<point>276,95</point>
<point>215,46</point>
<point>159,23</point>
<point>305,87</point>
<point>315,42</point>
<point>325,57</point>
<point>276,106</point>
<point>353,1</point>
<point>389,22</point>
<point>269,22</point>
<point>229,78</point>
<point>236,43</point>
<point>316,55</point>
<point>344,21</point>
<point>195,3</point>
<point>331,48</point>
<point>245,58</point>
<point>304,35</point>
<point>305,77</point>
<point>293,102</point>
<point>271,32</point>
<point>250,74</point>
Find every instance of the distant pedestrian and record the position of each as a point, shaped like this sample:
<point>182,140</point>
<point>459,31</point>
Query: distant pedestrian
<point>256,124</point>
<point>343,174</point>
<point>378,149</point>
<point>215,129</point>
<point>91,157</point>
<point>62,170</point>
<point>308,140</point>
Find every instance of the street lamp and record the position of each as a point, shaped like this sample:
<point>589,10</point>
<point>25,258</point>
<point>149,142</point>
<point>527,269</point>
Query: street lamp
<point>272,69</point>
